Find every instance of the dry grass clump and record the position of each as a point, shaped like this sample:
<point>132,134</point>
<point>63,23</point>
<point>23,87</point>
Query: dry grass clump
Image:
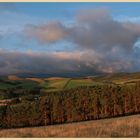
<point>116,127</point>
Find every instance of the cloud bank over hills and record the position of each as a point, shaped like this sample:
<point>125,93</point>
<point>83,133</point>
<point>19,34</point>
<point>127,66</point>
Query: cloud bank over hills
<point>101,45</point>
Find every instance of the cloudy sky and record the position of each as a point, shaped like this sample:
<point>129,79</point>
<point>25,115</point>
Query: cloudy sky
<point>69,38</point>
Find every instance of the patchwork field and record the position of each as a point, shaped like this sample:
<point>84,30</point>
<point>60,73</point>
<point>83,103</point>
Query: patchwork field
<point>115,127</point>
<point>60,83</point>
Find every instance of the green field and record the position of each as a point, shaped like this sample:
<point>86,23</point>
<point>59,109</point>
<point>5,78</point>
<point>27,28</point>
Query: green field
<point>55,84</point>
<point>67,83</point>
<point>25,84</point>
<point>79,82</point>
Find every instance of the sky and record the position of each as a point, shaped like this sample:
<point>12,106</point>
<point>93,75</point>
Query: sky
<point>69,38</point>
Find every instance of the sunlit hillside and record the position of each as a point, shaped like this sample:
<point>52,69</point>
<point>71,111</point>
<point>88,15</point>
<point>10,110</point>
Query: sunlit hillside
<point>117,127</point>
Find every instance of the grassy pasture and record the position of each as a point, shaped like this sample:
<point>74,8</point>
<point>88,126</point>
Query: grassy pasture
<point>55,84</point>
<point>79,82</point>
<point>52,84</point>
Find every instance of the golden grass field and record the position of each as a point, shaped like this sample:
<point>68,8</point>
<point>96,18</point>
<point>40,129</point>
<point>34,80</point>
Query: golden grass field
<point>128,126</point>
<point>14,78</point>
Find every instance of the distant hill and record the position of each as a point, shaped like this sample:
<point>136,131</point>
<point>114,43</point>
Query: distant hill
<point>118,78</point>
<point>120,75</point>
<point>63,74</point>
<point>70,75</point>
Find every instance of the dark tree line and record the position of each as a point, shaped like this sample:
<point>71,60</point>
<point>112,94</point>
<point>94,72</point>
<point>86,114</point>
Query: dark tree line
<point>80,104</point>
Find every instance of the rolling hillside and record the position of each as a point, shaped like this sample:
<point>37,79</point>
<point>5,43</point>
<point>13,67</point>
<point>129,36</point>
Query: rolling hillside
<point>29,102</point>
<point>118,78</point>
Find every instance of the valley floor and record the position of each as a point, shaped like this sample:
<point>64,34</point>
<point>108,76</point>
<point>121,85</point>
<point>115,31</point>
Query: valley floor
<point>128,126</point>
